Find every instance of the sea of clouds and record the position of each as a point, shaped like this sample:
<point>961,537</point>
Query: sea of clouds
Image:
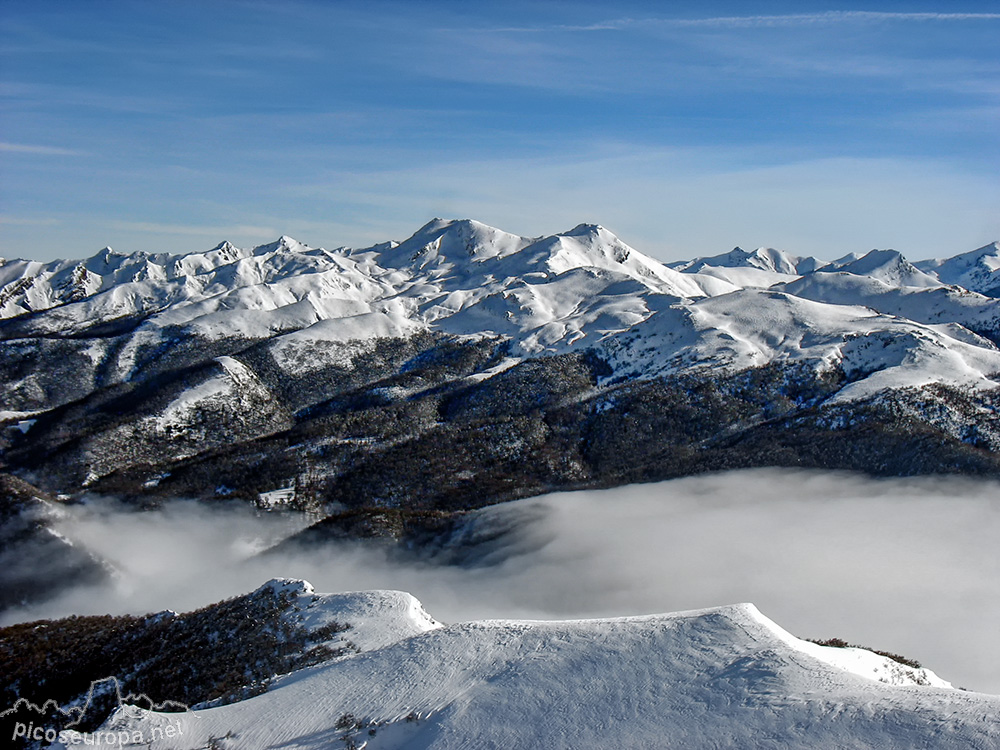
<point>904,565</point>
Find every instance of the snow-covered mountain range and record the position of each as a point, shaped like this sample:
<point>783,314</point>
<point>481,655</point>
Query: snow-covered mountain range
<point>285,366</point>
<point>582,288</point>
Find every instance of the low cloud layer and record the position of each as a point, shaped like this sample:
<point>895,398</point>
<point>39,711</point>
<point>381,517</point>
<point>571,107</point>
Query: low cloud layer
<point>903,565</point>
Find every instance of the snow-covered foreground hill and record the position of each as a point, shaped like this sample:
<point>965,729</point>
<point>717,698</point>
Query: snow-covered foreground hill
<point>726,677</point>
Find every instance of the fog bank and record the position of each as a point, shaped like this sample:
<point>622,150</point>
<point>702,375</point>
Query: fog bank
<point>904,565</point>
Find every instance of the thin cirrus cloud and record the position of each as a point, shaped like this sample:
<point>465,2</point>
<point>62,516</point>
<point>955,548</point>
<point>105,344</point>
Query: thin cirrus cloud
<point>833,16</point>
<point>791,19</point>
<point>704,57</point>
<point>193,230</point>
<point>27,221</point>
<point>375,118</point>
<point>37,150</point>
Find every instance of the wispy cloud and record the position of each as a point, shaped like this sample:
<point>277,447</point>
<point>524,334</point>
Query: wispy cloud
<point>833,16</point>
<point>420,110</point>
<point>678,203</point>
<point>185,229</point>
<point>21,221</point>
<point>791,19</point>
<point>25,148</point>
<point>671,56</point>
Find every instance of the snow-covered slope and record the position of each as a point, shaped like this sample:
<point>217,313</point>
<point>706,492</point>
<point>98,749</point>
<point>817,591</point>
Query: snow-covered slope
<point>581,288</point>
<point>751,328</point>
<point>939,305</point>
<point>977,271</point>
<point>724,677</point>
<point>376,619</point>
<point>763,259</point>
<point>888,266</point>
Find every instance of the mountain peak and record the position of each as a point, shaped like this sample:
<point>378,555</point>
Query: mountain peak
<point>762,258</point>
<point>584,245</point>
<point>889,266</point>
<point>437,226</point>
<point>977,271</point>
<point>278,586</point>
<point>283,244</point>
<point>983,255</point>
<point>453,241</point>
<point>582,230</point>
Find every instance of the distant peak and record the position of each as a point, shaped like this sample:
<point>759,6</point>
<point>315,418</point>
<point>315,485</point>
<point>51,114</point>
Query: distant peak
<point>584,229</point>
<point>451,240</point>
<point>438,226</point>
<point>879,257</point>
<point>470,224</point>
<point>105,256</point>
<point>434,224</point>
<point>283,243</point>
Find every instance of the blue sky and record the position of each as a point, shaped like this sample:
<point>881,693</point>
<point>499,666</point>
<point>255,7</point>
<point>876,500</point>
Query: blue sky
<point>686,128</point>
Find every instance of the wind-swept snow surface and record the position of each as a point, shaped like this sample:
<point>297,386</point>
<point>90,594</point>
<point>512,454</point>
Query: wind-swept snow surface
<point>725,677</point>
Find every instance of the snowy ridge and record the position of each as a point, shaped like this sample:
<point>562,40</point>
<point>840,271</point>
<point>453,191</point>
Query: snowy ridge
<point>722,677</point>
<point>376,619</point>
<point>235,381</point>
<point>977,271</point>
<point>580,288</point>
<point>939,305</point>
<point>763,259</point>
<point>888,266</point>
<point>754,327</point>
